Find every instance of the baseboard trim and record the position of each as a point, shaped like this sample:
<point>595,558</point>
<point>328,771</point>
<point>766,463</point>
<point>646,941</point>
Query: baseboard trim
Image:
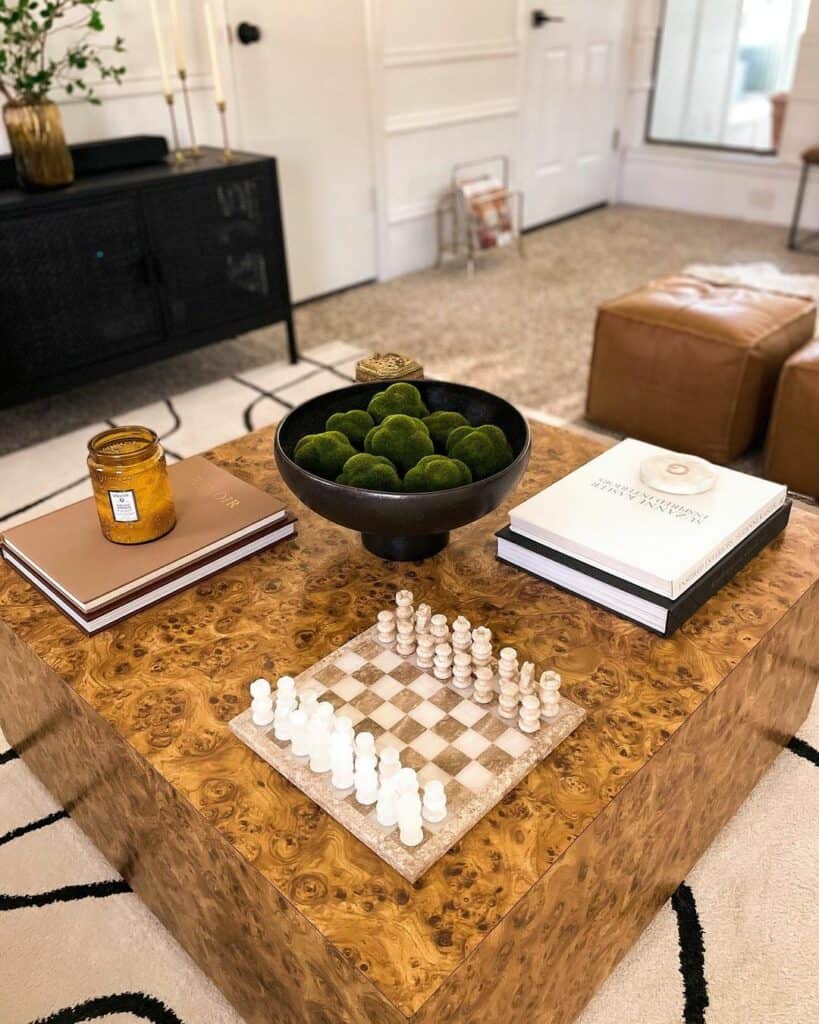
<point>566,216</point>
<point>334,292</point>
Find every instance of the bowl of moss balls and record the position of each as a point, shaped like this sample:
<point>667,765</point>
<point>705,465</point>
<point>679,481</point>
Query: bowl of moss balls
<point>403,463</point>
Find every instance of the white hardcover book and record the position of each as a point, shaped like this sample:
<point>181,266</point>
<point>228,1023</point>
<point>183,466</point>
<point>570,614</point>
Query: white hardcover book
<point>604,515</point>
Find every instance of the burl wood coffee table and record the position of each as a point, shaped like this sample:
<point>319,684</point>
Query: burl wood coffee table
<point>293,918</point>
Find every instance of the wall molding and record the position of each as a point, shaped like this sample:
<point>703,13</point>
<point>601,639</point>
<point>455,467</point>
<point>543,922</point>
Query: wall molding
<point>133,86</point>
<point>406,57</point>
<point>412,211</point>
<point>424,119</point>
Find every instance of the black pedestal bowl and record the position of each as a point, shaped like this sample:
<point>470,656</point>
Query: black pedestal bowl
<point>411,526</point>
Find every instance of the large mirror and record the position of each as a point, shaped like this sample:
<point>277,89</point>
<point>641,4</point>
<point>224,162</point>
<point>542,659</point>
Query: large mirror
<point>723,72</point>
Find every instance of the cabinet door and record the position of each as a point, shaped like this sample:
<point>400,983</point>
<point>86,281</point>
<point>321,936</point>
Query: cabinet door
<point>75,289</point>
<point>217,239</point>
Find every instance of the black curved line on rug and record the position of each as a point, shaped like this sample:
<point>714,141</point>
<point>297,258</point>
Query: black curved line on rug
<point>692,955</point>
<point>139,1004</point>
<point>8,755</point>
<point>66,894</point>
<point>803,749</point>
<point>32,826</point>
<point>177,423</point>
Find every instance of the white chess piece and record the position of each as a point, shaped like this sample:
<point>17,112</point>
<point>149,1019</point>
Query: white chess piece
<point>549,687</point>
<point>481,646</point>
<point>461,635</point>
<point>285,704</point>
<point>434,807</point>
<point>406,781</point>
<point>386,807</point>
<point>341,761</point>
<point>366,781</point>
<point>364,744</point>
<point>405,623</point>
<point>484,691</point>
<point>319,731</point>
<point>462,670</point>
<point>308,702</point>
<point>260,688</point>
<point>508,671</point>
<point>344,725</point>
<point>261,711</point>
<point>423,615</point>
<point>425,650</point>
<point>385,628</point>
<point>442,662</point>
<point>298,733</point>
<point>526,680</point>
<point>410,827</point>
<point>529,717</point>
<point>439,629</point>
<point>389,764</point>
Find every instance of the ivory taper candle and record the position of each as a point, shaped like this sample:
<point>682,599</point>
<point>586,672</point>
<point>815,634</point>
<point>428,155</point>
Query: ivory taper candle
<point>178,44</point>
<point>160,49</point>
<point>218,93</point>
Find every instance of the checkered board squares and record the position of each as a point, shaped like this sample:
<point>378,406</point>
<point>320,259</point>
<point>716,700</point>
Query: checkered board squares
<point>439,730</point>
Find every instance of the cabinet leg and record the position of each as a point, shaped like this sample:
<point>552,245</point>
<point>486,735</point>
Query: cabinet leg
<point>292,347</point>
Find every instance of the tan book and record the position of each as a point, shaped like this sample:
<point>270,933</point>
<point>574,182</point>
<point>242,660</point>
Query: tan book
<point>218,514</point>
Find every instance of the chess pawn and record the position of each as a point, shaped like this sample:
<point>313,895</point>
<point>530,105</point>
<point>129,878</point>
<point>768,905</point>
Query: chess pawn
<point>318,740</point>
<point>434,806</point>
<point>406,781</point>
<point>484,691</point>
<point>461,635</point>
<point>405,645</point>
<point>423,615</point>
<point>344,725</point>
<point>341,761</point>
<point>365,744</point>
<point>389,764</point>
<point>281,718</point>
<point>481,646</point>
<point>261,711</point>
<point>439,629</point>
<point>442,662</point>
<point>424,653</point>
<point>366,781</point>
<point>410,827</point>
<point>308,703</point>
<point>549,687</point>
<point>526,679</point>
<point>529,717</point>
<point>462,670</point>
<point>508,700</point>
<point>508,663</point>
<point>298,733</point>
<point>260,688</point>
<point>385,628</point>
<point>386,807</point>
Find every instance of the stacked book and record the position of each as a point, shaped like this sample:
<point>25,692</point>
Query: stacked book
<point>651,556</point>
<point>220,521</point>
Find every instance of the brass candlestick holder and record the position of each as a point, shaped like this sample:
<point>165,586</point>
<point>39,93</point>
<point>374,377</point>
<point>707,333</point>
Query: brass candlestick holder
<point>194,150</point>
<point>177,149</point>
<point>227,153</point>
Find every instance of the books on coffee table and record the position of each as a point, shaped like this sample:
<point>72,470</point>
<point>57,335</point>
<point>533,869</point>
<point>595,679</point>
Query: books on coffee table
<point>220,520</point>
<point>650,556</point>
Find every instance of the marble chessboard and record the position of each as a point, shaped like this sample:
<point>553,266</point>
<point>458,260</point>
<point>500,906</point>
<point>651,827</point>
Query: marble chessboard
<point>438,730</point>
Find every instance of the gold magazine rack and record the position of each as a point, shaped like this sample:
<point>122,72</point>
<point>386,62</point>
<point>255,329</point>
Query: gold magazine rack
<point>480,213</point>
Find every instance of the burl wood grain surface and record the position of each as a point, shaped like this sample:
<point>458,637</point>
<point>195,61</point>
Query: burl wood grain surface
<point>555,882</point>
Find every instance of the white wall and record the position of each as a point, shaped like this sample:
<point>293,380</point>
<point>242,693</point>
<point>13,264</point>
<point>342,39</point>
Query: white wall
<point>137,106</point>
<point>446,87</point>
<point>722,184</point>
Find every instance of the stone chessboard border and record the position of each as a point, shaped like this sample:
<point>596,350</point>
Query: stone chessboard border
<point>466,806</point>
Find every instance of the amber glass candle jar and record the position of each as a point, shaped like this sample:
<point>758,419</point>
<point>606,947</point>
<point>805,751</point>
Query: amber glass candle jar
<point>131,486</point>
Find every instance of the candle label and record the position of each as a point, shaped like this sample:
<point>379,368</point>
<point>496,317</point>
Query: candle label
<point>124,506</point>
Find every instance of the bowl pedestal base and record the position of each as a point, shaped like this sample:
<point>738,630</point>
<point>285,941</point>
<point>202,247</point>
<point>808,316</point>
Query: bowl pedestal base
<point>405,549</point>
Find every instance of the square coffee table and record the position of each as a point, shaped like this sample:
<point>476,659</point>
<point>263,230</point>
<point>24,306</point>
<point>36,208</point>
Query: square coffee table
<point>296,920</point>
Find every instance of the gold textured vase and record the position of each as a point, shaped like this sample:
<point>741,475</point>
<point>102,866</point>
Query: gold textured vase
<point>35,132</point>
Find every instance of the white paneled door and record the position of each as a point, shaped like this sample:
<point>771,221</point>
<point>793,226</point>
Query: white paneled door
<point>300,71</point>
<point>570,105</point>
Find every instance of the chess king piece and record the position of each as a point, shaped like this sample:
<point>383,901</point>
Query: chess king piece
<point>389,764</point>
<point>341,760</point>
<point>484,692</point>
<point>386,807</point>
<point>299,745</point>
<point>526,681</point>
<point>434,806</point>
<point>385,628</point>
<point>529,717</point>
<point>461,634</point>
<point>439,629</point>
<point>442,662</point>
<point>549,687</point>
<point>410,826</point>
<point>462,670</point>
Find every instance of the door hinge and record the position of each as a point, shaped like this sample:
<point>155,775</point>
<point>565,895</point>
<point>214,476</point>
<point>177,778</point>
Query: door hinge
<point>615,139</point>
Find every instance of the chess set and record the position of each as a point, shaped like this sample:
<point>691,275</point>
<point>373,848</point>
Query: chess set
<point>411,732</point>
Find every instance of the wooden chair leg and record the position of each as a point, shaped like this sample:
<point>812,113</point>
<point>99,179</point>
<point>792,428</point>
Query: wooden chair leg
<point>797,209</point>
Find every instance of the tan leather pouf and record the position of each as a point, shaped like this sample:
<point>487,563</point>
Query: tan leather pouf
<point>692,366</point>
<point>792,446</point>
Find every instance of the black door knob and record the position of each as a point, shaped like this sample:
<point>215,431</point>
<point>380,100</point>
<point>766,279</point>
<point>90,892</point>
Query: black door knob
<point>248,33</point>
<point>541,17</point>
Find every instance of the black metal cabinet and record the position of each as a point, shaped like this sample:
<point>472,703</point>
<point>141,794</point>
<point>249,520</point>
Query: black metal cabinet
<point>123,269</point>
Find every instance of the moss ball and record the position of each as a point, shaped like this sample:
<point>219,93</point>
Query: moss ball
<point>323,454</point>
<point>353,424</point>
<point>372,472</point>
<point>404,440</point>
<point>437,473</point>
<point>400,398</point>
<point>484,449</point>
<point>441,424</point>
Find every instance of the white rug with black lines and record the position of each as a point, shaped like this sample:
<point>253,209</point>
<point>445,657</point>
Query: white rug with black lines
<point>736,944</point>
